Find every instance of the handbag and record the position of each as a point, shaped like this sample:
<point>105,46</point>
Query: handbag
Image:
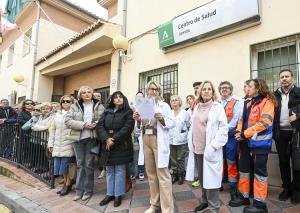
<point>295,150</point>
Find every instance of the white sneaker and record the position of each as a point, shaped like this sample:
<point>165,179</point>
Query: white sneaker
<point>102,174</point>
<point>141,176</point>
<point>151,210</point>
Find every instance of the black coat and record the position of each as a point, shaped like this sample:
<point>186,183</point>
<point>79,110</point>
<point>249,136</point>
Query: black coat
<point>23,117</point>
<point>12,115</point>
<point>119,126</point>
<point>294,98</point>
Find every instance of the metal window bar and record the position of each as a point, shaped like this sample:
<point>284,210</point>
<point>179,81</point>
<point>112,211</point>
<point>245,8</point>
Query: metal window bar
<point>166,76</point>
<point>28,150</point>
<point>271,60</point>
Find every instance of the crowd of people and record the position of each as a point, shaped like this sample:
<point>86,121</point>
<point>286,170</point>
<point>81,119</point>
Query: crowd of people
<point>218,138</point>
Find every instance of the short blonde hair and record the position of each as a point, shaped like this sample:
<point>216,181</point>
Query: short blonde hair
<point>46,104</point>
<point>214,95</point>
<point>155,84</point>
<point>83,89</point>
<point>179,99</point>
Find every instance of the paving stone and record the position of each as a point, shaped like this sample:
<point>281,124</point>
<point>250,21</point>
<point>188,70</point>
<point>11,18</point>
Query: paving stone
<point>140,202</point>
<point>224,209</point>
<point>141,193</point>
<point>187,195</point>
<point>141,186</point>
<point>187,205</point>
<point>281,204</point>
<point>197,193</point>
<point>138,209</point>
<point>180,188</point>
<point>295,209</point>
<point>122,211</point>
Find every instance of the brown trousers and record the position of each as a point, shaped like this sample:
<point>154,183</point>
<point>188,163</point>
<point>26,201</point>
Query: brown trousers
<point>159,178</point>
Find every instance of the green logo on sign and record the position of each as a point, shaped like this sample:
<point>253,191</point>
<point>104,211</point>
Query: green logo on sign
<point>165,34</point>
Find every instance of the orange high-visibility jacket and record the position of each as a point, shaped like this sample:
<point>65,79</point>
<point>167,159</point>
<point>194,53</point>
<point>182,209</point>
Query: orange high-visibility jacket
<point>260,124</point>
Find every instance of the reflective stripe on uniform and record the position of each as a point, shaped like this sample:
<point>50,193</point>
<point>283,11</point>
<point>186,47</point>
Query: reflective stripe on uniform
<point>263,137</point>
<point>260,188</point>
<point>244,184</point>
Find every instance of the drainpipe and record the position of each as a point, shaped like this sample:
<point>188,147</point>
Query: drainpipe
<point>38,15</point>
<point>124,27</point>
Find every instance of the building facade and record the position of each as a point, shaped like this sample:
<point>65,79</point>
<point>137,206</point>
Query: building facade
<point>18,53</point>
<point>224,46</point>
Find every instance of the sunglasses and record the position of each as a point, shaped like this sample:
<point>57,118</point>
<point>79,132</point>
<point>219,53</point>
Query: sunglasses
<point>29,103</point>
<point>36,110</point>
<point>66,101</point>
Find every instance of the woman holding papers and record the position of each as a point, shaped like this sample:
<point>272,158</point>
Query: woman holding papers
<point>209,133</point>
<point>155,132</point>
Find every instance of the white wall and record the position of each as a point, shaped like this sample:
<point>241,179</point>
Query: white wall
<point>223,58</point>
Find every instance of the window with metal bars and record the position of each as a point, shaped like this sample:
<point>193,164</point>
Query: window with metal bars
<point>270,57</point>
<point>167,77</point>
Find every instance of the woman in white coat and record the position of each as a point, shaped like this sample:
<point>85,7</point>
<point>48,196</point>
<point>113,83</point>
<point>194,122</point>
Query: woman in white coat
<point>60,146</point>
<point>209,134</point>
<point>157,151</point>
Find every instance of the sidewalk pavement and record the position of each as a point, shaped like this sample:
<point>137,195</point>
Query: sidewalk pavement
<point>37,197</point>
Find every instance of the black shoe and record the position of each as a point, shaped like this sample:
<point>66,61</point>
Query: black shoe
<point>201,208</point>
<point>239,201</point>
<point>174,178</point>
<point>295,198</point>
<point>58,192</point>
<point>65,190</point>
<point>106,200</point>
<point>284,195</point>
<point>254,209</point>
<point>118,201</point>
<point>233,194</point>
<point>180,180</point>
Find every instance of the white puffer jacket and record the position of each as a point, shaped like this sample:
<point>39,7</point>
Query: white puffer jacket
<point>58,134</point>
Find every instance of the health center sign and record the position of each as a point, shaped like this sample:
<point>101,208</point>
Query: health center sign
<point>210,19</point>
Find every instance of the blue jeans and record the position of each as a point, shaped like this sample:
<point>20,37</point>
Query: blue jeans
<point>115,180</point>
<point>85,167</point>
<point>141,168</point>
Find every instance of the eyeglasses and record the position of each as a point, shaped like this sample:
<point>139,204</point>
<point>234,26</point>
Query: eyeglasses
<point>153,89</point>
<point>36,110</point>
<point>66,101</point>
<point>29,103</point>
<point>225,87</point>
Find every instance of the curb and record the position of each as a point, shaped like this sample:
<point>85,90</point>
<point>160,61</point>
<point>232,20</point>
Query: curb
<point>18,203</point>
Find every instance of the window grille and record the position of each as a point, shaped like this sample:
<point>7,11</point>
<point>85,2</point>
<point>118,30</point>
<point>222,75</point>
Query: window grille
<point>270,57</point>
<point>167,77</point>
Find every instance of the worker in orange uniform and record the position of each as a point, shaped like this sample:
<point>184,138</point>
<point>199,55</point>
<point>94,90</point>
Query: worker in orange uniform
<point>254,132</point>
<point>233,107</point>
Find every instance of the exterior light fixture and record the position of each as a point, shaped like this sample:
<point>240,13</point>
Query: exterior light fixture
<point>19,78</point>
<point>120,43</point>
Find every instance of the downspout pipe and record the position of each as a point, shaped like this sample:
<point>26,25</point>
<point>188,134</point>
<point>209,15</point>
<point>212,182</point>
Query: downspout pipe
<point>38,15</point>
<point>124,27</point>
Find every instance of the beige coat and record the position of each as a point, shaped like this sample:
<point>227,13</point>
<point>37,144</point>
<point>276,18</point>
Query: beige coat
<point>74,119</point>
<point>58,136</point>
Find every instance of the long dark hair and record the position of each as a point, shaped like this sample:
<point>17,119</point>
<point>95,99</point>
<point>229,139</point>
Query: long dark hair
<point>124,106</point>
<point>263,90</point>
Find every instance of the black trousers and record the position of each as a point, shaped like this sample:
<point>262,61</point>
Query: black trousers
<point>283,146</point>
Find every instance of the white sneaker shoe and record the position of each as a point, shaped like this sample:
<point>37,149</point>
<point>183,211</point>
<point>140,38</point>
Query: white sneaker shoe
<point>141,176</point>
<point>150,210</point>
<point>102,174</point>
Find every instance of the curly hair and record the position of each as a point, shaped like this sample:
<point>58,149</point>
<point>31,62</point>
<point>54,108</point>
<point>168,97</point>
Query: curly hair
<point>263,90</point>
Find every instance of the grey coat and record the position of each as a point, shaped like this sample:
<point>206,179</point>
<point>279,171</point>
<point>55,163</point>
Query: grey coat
<point>74,119</point>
